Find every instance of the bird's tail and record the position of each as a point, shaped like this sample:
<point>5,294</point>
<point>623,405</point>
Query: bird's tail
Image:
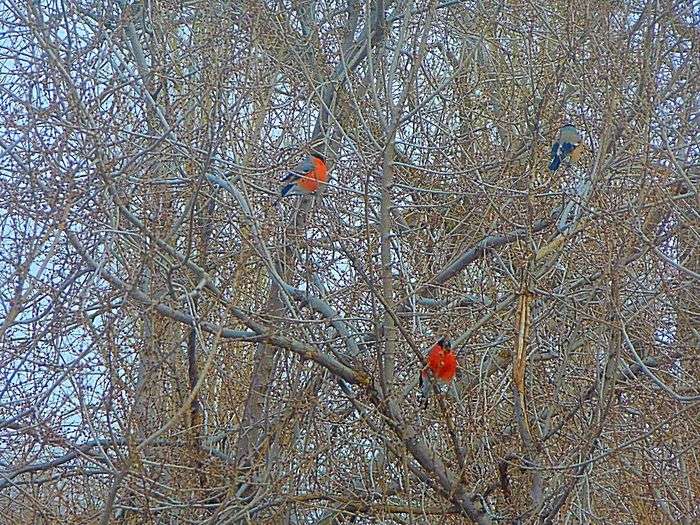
<point>556,162</point>
<point>425,387</point>
<point>286,189</point>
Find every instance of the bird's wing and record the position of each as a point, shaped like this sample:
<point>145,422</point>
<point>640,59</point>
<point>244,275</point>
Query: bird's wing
<point>304,167</point>
<point>290,177</point>
<point>566,148</point>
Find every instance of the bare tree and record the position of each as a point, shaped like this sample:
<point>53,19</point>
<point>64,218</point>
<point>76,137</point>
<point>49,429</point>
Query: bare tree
<point>178,348</point>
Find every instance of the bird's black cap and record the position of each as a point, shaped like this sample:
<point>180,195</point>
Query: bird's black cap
<point>318,155</point>
<point>445,342</point>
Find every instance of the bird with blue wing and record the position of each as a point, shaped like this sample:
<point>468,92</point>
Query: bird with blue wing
<point>307,177</point>
<point>568,141</point>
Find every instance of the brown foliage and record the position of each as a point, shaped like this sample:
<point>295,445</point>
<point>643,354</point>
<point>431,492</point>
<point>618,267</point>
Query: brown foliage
<point>176,348</point>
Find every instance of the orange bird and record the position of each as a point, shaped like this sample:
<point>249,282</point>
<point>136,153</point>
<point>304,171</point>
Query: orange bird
<point>441,365</point>
<point>307,177</point>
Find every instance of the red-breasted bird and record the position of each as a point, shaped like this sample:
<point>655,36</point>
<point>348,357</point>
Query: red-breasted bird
<point>307,177</point>
<point>441,365</point>
<point>568,140</point>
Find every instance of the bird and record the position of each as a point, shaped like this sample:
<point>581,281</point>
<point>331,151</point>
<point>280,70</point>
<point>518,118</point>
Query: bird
<point>568,140</point>
<point>307,177</point>
<point>441,365</point>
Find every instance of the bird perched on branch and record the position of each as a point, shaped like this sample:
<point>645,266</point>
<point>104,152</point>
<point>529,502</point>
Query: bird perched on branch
<point>568,143</point>
<point>307,177</point>
<point>441,365</point>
